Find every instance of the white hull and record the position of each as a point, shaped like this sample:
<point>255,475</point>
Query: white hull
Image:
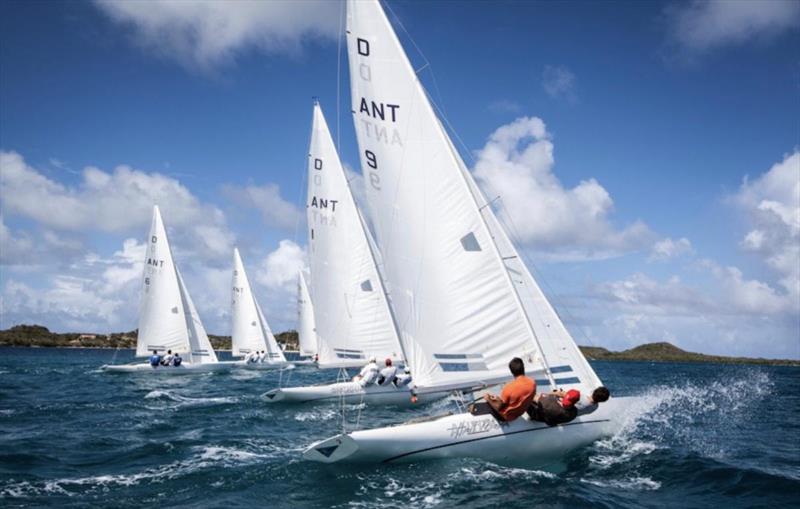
<point>352,392</point>
<point>519,443</point>
<point>183,369</point>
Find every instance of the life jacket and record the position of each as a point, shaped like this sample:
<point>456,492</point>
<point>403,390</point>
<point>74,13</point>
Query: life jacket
<point>177,361</point>
<point>155,360</point>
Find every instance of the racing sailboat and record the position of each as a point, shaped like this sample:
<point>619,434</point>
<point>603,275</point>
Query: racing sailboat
<point>251,332</point>
<point>352,317</point>
<point>466,302</point>
<point>168,319</point>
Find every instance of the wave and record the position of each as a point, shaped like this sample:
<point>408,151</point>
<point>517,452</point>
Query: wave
<point>184,401</point>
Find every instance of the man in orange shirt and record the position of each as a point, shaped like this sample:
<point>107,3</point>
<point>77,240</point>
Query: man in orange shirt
<point>516,395</point>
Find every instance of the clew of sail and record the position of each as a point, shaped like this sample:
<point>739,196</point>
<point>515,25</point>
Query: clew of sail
<point>458,308</point>
<point>351,315</point>
<point>307,335</point>
<point>162,323</point>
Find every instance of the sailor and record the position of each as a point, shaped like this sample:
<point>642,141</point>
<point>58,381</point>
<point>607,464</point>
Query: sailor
<point>167,360</point>
<point>403,379</point>
<point>589,402</point>
<point>155,359</point>
<point>516,396</point>
<point>387,374</point>
<point>263,356</point>
<point>368,374</point>
<point>555,408</point>
<point>176,361</point>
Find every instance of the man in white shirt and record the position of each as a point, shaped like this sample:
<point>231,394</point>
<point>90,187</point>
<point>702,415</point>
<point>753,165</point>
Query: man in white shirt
<point>387,374</point>
<point>403,379</point>
<point>263,357</point>
<point>368,374</point>
<point>250,357</point>
<point>167,360</point>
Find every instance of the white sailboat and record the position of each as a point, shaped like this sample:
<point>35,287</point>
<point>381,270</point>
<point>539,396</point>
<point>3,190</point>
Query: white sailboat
<point>251,332</point>
<point>168,319</point>
<point>465,302</point>
<point>352,318</point>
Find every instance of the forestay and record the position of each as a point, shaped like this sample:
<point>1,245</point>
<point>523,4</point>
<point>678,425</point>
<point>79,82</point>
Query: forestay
<point>454,298</point>
<point>307,335</point>
<point>351,314</point>
<point>250,329</point>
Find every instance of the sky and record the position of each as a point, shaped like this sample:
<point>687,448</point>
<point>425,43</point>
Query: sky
<point>645,156</point>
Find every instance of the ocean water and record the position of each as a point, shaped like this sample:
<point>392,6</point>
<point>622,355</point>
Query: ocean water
<point>72,436</point>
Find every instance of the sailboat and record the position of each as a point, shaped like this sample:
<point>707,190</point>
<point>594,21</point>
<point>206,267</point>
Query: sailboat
<point>251,332</point>
<point>353,321</point>
<point>168,319</point>
<point>466,302</point>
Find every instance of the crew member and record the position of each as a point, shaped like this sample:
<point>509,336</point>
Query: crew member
<point>516,395</point>
<point>167,360</point>
<point>368,374</point>
<point>176,361</point>
<point>403,379</point>
<point>155,359</point>
<point>387,374</point>
<point>555,408</point>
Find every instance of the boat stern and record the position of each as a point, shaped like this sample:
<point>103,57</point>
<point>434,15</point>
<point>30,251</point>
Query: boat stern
<point>331,450</point>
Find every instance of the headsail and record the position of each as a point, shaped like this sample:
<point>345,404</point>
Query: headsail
<point>306,332</point>
<point>351,314</point>
<point>201,350</point>
<point>250,329</point>
<point>456,304</point>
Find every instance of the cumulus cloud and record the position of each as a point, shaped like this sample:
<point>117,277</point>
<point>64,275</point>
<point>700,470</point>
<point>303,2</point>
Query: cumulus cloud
<point>205,33</point>
<point>280,268</point>
<point>703,25</point>
<point>33,248</point>
<point>267,199</point>
<point>517,164</point>
<point>668,248</point>
<point>771,204</point>
<point>113,202</point>
<point>559,82</point>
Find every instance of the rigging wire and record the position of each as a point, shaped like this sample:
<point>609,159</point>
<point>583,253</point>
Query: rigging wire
<point>452,130</point>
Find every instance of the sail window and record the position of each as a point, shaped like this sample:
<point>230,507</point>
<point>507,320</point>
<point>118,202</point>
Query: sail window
<point>470,243</point>
<point>366,286</point>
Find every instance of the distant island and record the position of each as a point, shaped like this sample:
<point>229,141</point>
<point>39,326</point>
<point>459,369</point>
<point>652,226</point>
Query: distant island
<point>39,336</point>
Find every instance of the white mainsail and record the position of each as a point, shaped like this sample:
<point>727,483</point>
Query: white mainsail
<point>351,315</point>
<point>306,333</point>
<point>449,265</point>
<point>167,317</point>
<point>251,331</point>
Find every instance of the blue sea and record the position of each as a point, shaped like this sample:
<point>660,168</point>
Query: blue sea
<point>73,436</point>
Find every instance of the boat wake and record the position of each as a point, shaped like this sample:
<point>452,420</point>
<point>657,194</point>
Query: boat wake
<point>185,401</point>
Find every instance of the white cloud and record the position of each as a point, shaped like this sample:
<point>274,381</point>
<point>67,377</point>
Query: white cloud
<point>517,164</point>
<point>280,268</point>
<point>28,248</point>
<point>704,25</point>
<point>559,82</point>
<point>771,204</point>
<point>668,248</point>
<point>205,33</point>
<point>114,202</point>
<point>267,199</point>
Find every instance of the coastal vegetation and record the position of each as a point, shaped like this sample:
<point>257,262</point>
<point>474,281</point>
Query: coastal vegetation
<point>40,336</point>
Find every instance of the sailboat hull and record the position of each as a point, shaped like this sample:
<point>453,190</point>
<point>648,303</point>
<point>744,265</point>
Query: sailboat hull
<point>183,369</point>
<point>264,365</point>
<point>519,443</point>
<point>352,392</point>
